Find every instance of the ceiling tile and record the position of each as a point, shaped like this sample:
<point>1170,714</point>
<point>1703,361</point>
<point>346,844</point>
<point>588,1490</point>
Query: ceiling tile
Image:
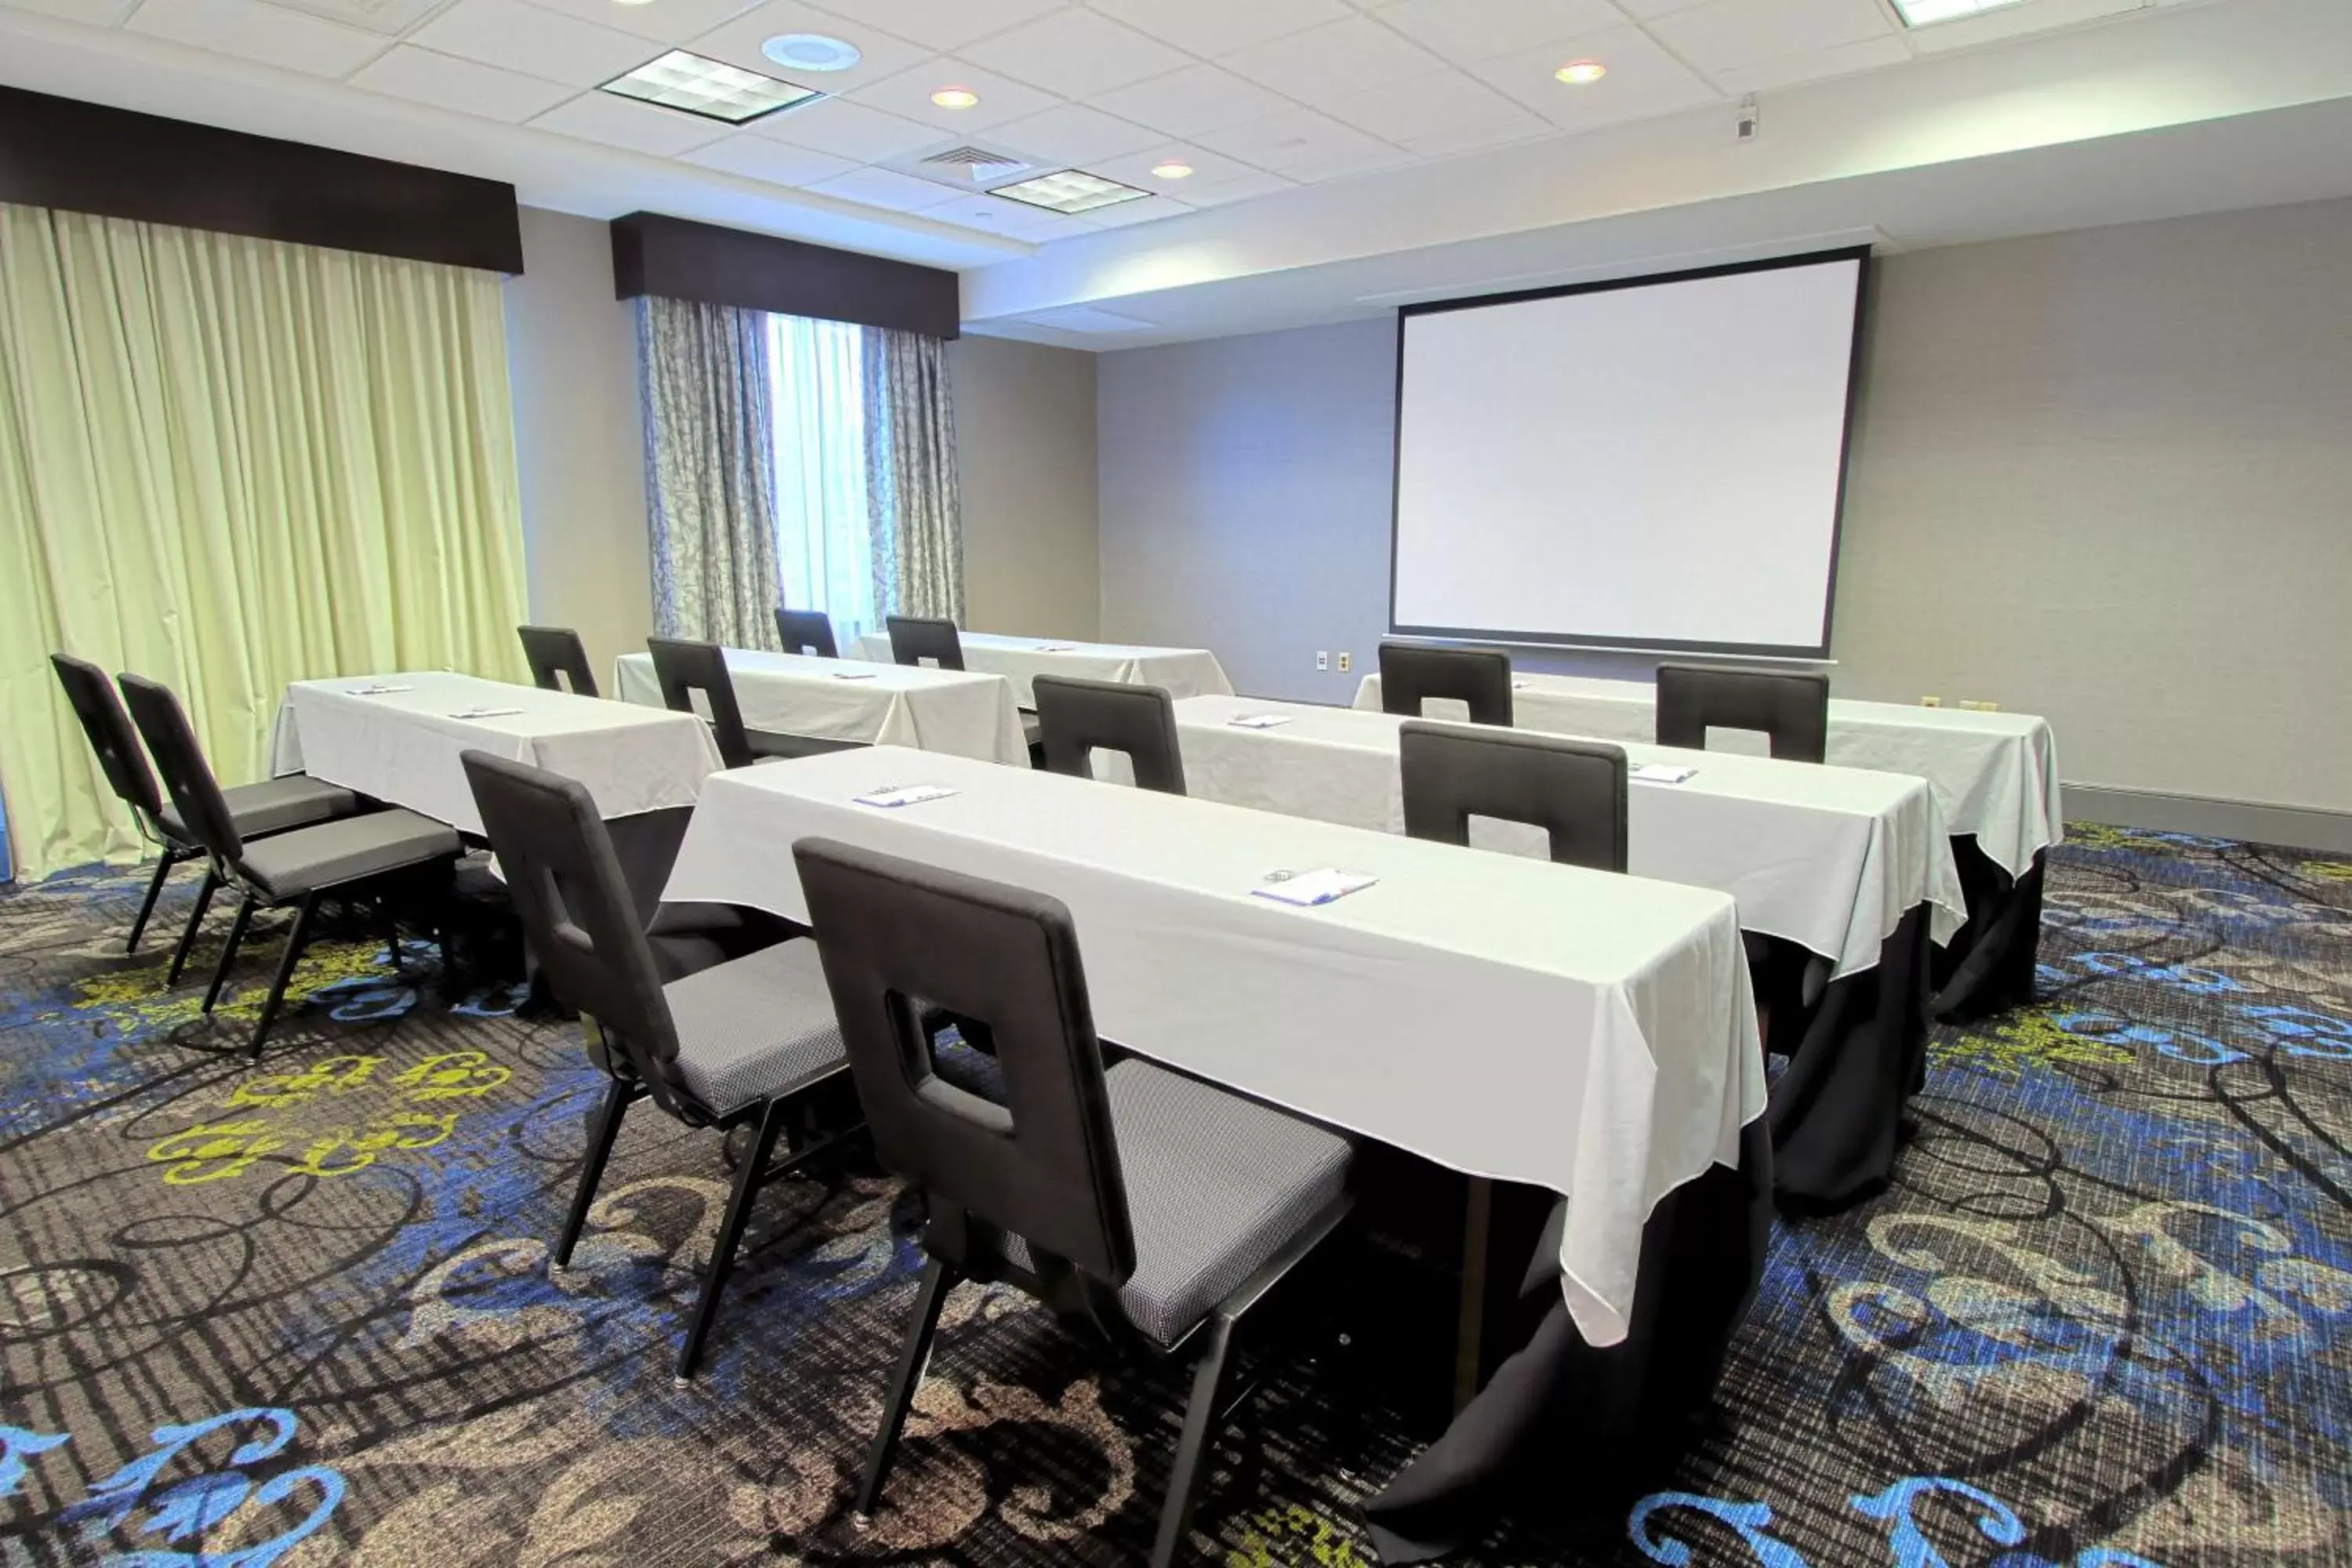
<point>1642,10</point>
<point>1208,169</point>
<point>1249,188</point>
<point>1189,101</point>
<point>1088,320</point>
<point>1001,215</point>
<point>619,122</point>
<point>270,34</point>
<point>539,43</point>
<point>1723,35</point>
<point>942,24</point>
<point>468,87</point>
<point>1073,134</point>
<point>1870,54</point>
<point>1333,60</point>
<point>881,188</point>
<point>2009,21</point>
<point>1447,102</point>
<point>667,21</point>
<point>1077,54</point>
<point>739,41</point>
<point>909,93</point>
<point>97,13</point>
<point>1126,214</point>
<point>1219,26</point>
<point>765,158</point>
<point>1466,31</point>
<point>847,130</point>
<point>1642,79</point>
<point>1304,145</point>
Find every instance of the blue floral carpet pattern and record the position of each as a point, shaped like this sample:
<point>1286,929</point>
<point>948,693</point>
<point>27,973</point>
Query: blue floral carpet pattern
<point>300,1314</point>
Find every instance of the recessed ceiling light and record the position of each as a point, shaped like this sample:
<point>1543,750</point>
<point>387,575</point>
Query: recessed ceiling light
<point>1071,191</point>
<point>956,98</point>
<point>1174,169</point>
<point>1920,13</point>
<point>633,2</point>
<point>1580,73</point>
<point>805,51</point>
<point>712,88</point>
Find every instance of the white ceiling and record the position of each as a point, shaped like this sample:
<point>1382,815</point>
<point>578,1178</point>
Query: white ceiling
<point>1400,138</point>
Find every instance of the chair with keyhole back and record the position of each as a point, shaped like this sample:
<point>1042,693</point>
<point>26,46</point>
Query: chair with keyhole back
<point>914,638</point>
<point>1077,718</point>
<point>1412,673</point>
<point>556,654</point>
<point>684,667</point>
<point>1790,707</point>
<point>806,631</point>
<point>1145,1204</point>
<point>256,810</point>
<point>744,1044</point>
<point>1574,790</point>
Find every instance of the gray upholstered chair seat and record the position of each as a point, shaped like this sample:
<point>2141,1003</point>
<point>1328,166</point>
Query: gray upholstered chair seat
<point>756,1028</point>
<point>1030,732</point>
<point>331,853</point>
<point>1215,1186</point>
<point>273,806</point>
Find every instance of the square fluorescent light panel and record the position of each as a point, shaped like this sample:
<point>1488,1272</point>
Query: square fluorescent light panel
<point>1071,191</point>
<point>712,88</point>
<point>1920,13</point>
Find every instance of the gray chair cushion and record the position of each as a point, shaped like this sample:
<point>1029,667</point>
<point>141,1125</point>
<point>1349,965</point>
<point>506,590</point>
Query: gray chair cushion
<point>273,806</point>
<point>307,858</point>
<point>755,1028</point>
<point>1030,732</point>
<point>1216,1185</point>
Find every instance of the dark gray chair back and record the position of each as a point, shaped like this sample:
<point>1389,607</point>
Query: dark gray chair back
<point>899,937</point>
<point>1076,717</point>
<point>577,913</point>
<point>554,651</point>
<point>109,729</point>
<point>1481,676</point>
<point>1574,790</point>
<point>914,638</point>
<point>1790,705</point>
<point>186,775</point>
<point>685,668</point>
<point>807,631</point>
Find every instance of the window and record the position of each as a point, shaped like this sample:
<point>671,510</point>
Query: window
<point>823,527</point>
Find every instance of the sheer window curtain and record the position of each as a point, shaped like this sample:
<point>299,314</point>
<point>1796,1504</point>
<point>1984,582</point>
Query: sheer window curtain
<point>911,475</point>
<point>825,535</point>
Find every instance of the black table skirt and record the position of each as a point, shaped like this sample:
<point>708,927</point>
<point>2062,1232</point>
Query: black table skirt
<point>1556,1406</point>
<point>1988,966</point>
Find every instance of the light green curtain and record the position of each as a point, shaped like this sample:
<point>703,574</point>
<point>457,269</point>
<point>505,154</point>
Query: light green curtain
<point>917,517</point>
<point>230,463</point>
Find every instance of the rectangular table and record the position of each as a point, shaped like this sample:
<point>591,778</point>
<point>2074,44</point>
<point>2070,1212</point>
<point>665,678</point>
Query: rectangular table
<point>1995,777</point>
<point>968,714</point>
<point>1181,671</point>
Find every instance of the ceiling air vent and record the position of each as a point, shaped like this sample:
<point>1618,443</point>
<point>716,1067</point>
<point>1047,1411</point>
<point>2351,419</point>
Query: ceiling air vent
<point>974,166</point>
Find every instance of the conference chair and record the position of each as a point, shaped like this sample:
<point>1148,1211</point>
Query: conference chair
<point>914,638</point>
<point>684,667</point>
<point>1574,790</point>
<point>255,810</point>
<point>807,631</point>
<point>1149,1206</point>
<point>347,857</point>
<point>557,651</point>
<point>1076,717</point>
<point>1411,673</point>
<point>1791,707</point>
<point>740,1044</point>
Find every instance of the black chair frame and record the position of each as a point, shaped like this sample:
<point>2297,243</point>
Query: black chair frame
<point>807,631</point>
<point>1480,678</point>
<point>1076,718</point>
<point>1790,706</point>
<point>1453,772</point>
<point>914,638</point>
<point>556,654</point>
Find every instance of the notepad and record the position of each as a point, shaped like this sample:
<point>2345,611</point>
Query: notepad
<point>853,675</point>
<point>890,796</point>
<point>1257,721</point>
<point>1311,887</point>
<point>1660,772</point>
<point>1056,648</point>
<point>378,690</point>
<point>486,713</point>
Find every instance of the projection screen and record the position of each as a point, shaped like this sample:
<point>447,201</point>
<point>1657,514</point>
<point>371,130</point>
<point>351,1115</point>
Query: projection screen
<point>1655,463</point>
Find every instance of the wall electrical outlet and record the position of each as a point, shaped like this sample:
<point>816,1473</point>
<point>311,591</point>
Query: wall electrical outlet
<point>1323,661</point>
<point>1346,660</point>
<point>1980,707</point>
<point>1931,702</point>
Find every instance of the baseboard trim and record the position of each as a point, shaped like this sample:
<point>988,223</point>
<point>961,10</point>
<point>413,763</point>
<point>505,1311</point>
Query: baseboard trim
<point>2297,826</point>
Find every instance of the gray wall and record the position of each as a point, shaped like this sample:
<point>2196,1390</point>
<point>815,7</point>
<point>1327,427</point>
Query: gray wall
<point>2104,476</point>
<point>1025,464</point>
<point>579,442</point>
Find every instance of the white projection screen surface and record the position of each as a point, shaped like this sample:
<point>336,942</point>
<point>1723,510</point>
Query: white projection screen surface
<point>1652,464</point>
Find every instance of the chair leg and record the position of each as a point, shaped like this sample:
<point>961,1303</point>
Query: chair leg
<point>602,1134</point>
<point>1184,1479</point>
<point>730,1236</point>
<point>195,918</point>
<point>171,857</point>
<point>294,938</point>
<point>913,1356</point>
<point>228,951</point>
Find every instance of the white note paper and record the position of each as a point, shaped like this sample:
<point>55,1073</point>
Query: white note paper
<point>1660,772</point>
<point>486,713</point>
<point>1257,721</point>
<point>853,675</point>
<point>378,689</point>
<point>890,796</point>
<point>1311,887</point>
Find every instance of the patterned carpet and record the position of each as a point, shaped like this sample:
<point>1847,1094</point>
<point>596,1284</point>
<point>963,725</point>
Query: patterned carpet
<point>302,1314</point>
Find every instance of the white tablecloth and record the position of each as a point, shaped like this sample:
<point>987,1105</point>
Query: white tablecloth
<point>1829,857</point>
<point>1588,1033</point>
<point>1181,671</point>
<point>404,746</point>
<point>969,714</point>
<point>1994,775</point>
